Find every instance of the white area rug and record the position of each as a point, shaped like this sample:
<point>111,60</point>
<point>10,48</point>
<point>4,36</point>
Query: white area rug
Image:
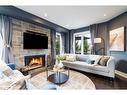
<point>76,81</point>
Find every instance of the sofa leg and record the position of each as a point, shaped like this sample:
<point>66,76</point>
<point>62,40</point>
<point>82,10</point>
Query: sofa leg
<point>111,79</point>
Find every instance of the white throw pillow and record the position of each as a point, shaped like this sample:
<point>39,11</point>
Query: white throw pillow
<point>71,58</point>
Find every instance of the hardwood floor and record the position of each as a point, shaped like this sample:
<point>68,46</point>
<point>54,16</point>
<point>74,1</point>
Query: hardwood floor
<point>102,82</point>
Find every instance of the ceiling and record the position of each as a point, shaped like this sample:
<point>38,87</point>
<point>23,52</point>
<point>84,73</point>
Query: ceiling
<point>73,17</point>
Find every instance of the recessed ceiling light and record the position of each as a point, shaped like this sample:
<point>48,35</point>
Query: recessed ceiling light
<point>105,15</point>
<point>45,14</point>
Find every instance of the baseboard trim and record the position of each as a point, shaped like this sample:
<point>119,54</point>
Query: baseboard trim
<point>122,74</point>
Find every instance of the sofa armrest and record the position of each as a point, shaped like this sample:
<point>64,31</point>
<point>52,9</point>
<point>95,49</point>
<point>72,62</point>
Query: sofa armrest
<point>111,63</point>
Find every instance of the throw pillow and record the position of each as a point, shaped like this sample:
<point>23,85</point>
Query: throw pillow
<point>97,60</point>
<point>8,72</point>
<point>103,61</point>
<point>90,61</point>
<point>71,58</point>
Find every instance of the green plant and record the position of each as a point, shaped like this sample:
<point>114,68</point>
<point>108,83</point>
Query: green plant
<point>86,46</point>
<point>60,57</point>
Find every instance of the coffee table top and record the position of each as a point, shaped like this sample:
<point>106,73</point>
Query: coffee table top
<point>58,78</point>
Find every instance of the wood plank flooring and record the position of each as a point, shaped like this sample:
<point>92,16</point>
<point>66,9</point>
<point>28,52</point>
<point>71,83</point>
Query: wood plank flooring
<point>102,82</point>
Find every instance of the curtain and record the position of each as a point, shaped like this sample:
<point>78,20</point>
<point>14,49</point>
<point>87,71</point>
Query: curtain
<point>53,46</point>
<point>94,32</point>
<point>71,41</point>
<point>6,39</point>
<point>99,31</point>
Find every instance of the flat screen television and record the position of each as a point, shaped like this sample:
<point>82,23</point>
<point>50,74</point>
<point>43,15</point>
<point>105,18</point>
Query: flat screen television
<point>32,40</point>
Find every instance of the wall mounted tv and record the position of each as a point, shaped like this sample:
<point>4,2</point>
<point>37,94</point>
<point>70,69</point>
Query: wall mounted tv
<point>33,40</point>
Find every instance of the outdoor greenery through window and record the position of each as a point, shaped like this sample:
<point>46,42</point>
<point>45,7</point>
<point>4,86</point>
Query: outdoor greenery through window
<point>82,43</point>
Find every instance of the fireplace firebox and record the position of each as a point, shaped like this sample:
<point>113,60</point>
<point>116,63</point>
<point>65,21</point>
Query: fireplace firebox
<point>35,60</point>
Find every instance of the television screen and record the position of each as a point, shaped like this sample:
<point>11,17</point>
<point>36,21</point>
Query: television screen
<point>35,41</point>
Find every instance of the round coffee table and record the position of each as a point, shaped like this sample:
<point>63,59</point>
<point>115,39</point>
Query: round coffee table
<point>58,77</point>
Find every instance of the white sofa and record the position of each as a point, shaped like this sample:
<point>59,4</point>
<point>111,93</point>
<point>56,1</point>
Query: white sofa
<point>79,62</point>
<point>11,79</point>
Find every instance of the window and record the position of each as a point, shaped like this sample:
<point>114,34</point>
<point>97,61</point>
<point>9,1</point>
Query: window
<point>82,43</point>
<point>58,44</point>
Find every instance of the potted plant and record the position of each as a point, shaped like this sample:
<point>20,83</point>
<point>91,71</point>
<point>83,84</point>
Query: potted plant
<point>60,58</point>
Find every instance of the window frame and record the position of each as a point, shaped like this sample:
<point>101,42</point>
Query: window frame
<point>82,38</point>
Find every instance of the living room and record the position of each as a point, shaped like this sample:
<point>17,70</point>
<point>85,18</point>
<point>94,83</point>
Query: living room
<point>92,52</point>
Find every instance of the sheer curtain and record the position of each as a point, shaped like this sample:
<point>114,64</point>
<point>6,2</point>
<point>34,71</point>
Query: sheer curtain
<point>5,39</point>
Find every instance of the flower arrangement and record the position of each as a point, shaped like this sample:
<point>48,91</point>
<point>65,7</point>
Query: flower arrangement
<point>58,64</point>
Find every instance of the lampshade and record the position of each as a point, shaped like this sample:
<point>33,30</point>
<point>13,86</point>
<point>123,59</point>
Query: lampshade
<point>97,40</point>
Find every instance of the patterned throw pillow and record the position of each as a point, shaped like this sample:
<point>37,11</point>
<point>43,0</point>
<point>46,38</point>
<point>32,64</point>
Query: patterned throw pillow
<point>8,72</point>
<point>103,61</point>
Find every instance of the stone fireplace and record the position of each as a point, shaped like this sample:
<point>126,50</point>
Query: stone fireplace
<point>21,55</point>
<point>35,61</point>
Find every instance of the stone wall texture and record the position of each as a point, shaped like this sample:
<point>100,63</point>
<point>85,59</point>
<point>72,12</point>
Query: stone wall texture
<point>19,27</point>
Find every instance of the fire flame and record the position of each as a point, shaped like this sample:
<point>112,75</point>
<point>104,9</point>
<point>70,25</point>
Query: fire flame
<point>36,61</point>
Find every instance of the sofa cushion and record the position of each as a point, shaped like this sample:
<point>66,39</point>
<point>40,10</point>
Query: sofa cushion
<point>8,83</point>
<point>80,57</point>
<point>103,61</point>
<point>99,68</point>
<point>5,83</point>
<point>85,65</point>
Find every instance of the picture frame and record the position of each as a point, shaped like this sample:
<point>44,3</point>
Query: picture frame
<point>117,39</point>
